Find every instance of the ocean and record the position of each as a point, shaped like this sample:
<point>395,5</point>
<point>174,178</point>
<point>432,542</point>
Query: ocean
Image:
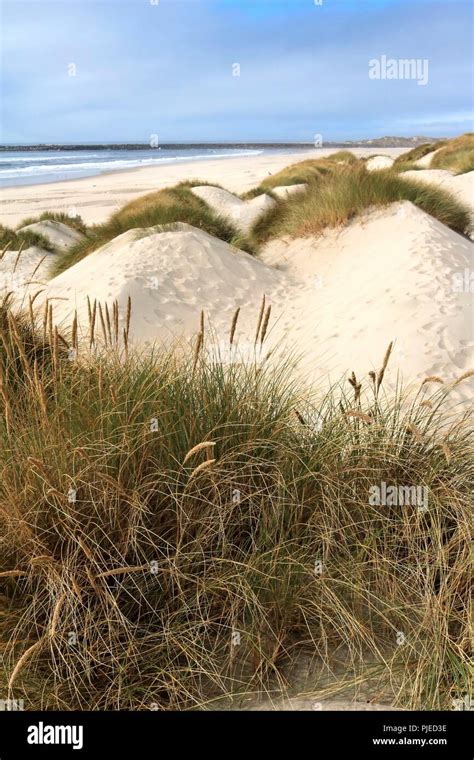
<point>30,167</point>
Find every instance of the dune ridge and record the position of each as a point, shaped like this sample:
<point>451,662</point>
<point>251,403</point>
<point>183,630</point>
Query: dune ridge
<point>337,299</point>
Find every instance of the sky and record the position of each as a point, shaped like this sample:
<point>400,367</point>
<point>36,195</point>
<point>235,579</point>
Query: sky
<point>232,70</point>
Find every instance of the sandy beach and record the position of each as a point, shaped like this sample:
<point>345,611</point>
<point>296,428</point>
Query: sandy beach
<point>325,310</point>
<point>96,198</point>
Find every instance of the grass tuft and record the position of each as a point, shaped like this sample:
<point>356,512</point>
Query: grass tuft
<point>156,510</point>
<point>457,156</point>
<point>343,157</point>
<point>13,240</point>
<point>342,195</point>
<point>75,222</point>
<point>302,172</point>
<point>174,204</point>
<point>412,156</point>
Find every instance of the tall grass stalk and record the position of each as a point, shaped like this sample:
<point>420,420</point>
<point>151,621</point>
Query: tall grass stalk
<point>174,530</point>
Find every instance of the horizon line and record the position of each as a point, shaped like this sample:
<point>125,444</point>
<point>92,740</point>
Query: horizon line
<point>89,143</point>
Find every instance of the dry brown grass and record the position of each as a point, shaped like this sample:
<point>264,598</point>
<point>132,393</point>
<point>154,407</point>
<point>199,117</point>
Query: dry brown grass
<point>348,191</point>
<point>456,156</point>
<point>150,508</point>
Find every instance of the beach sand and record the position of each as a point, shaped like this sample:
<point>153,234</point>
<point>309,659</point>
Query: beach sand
<point>96,198</point>
<point>337,299</point>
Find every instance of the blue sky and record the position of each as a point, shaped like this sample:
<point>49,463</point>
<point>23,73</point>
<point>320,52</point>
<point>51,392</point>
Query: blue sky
<point>166,69</point>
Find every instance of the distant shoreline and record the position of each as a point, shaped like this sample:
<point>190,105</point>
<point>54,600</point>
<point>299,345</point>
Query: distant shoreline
<point>147,146</point>
<point>385,142</point>
<point>67,166</point>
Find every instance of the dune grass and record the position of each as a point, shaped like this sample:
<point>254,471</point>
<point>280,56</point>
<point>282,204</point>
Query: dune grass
<point>342,195</point>
<point>303,171</point>
<point>75,222</point>
<point>339,188</point>
<point>173,531</point>
<point>416,153</point>
<point>13,240</point>
<point>259,190</point>
<point>343,157</point>
<point>407,161</point>
<point>173,204</point>
<point>457,155</point>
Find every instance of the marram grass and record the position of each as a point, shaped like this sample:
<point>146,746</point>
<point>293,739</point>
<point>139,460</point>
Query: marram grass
<point>76,222</point>
<point>349,191</point>
<point>339,190</point>
<point>456,156</point>
<point>174,531</point>
<point>163,207</point>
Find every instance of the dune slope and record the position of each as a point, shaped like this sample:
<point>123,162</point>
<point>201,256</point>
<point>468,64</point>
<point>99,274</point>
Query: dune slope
<point>22,269</point>
<point>59,235</point>
<point>242,213</point>
<point>337,300</point>
<point>171,276</point>
<point>397,274</point>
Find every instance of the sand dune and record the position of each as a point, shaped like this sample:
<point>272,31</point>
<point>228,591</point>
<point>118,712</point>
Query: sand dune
<point>285,191</point>
<point>59,235</point>
<point>379,162</point>
<point>397,274</point>
<point>18,270</point>
<point>171,276</point>
<point>337,300</point>
<point>425,161</point>
<point>460,185</point>
<point>243,214</point>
